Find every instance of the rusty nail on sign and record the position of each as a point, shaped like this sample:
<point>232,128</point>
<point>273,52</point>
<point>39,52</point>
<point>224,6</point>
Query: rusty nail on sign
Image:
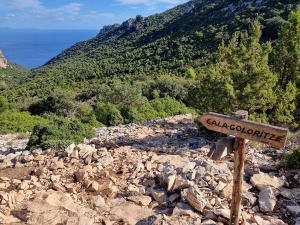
<point>267,134</point>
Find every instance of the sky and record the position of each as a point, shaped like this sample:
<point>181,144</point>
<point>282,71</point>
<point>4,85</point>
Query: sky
<point>76,14</point>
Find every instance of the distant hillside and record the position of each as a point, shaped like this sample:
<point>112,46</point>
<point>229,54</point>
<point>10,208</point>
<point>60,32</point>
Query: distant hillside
<point>11,74</point>
<point>169,43</point>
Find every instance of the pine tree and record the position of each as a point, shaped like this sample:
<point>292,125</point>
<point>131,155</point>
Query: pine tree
<point>216,87</point>
<point>285,62</point>
<point>285,104</point>
<point>241,79</point>
<point>285,59</point>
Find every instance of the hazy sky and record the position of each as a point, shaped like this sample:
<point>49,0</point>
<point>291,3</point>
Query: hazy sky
<point>76,14</point>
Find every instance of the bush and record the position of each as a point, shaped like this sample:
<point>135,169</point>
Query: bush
<point>147,111</point>
<point>190,74</point>
<point>92,120</point>
<point>166,86</point>
<point>84,111</point>
<point>13,121</point>
<point>292,161</point>
<point>3,104</point>
<point>166,107</point>
<point>273,25</point>
<point>132,115</point>
<point>121,94</point>
<point>86,114</point>
<point>108,114</point>
<point>59,102</point>
<point>59,134</point>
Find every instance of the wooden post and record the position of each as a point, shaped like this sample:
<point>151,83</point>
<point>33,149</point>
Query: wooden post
<point>242,129</point>
<point>239,158</point>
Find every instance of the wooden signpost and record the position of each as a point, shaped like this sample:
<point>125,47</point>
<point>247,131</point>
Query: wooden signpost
<point>267,134</point>
<point>242,129</point>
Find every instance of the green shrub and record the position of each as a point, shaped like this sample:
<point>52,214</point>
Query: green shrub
<point>3,104</point>
<point>84,111</point>
<point>59,102</point>
<point>108,114</point>
<point>166,86</point>
<point>166,107</point>
<point>292,161</point>
<point>132,115</point>
<point>59,134</point>
<point>13,121</point>
<point>190,74</point>
<point>92,120</point>
<point>147,111</point>
<point>86,114</point>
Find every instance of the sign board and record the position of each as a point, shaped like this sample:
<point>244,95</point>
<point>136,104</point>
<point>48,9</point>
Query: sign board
<point>267,134</point>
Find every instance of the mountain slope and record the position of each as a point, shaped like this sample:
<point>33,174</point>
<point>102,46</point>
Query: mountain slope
<point>11,74</point>
<point>166,43</point>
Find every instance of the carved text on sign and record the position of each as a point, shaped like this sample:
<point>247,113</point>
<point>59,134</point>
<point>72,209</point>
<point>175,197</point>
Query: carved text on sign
<point>245,130</point>
<point>267,134</point>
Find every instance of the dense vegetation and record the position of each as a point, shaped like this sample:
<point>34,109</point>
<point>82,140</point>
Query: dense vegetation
<point>210,55</point>
<point>13,121</point>
<point>12,75</point>
<point>60,133</point>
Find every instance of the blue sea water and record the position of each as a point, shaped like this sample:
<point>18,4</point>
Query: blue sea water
<point>34,47</point>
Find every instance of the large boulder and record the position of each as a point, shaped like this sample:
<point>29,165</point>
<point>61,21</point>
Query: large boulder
<point>267,200</point>
<point>129,212</point>
<point>262,180</point>
<point>53,207</point>
<point>196,199</point>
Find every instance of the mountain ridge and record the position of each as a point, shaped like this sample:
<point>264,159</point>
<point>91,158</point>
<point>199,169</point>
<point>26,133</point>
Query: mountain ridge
<point>11,73</point>
<point>180,15</point>
<point>163,55</point>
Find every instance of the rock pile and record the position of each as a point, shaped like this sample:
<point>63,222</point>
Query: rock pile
<point>154,173</point>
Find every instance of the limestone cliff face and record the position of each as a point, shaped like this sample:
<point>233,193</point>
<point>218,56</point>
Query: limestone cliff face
<point>3,60</point>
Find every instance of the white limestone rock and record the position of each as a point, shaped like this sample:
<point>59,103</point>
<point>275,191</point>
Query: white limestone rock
<point>196,199</point>
<point>267,199</point>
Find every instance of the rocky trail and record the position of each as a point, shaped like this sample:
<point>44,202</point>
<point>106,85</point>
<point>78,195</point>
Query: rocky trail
<point>153,173</point>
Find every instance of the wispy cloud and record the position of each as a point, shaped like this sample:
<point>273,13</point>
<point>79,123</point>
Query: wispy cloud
<point>10,16</point>
<point>28,10</point>
<point>59,19</point>
<point>20,4</point>
<point>148,2</point>
<point>151,4</point>
<point>96,15</point>
<point>72,8</point>
<point>108,15</point>
<point>35,9</point>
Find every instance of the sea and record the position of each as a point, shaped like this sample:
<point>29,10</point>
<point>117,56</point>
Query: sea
<point>32,48</point>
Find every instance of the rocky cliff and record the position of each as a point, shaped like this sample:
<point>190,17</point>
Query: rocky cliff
<point>3,61</point>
